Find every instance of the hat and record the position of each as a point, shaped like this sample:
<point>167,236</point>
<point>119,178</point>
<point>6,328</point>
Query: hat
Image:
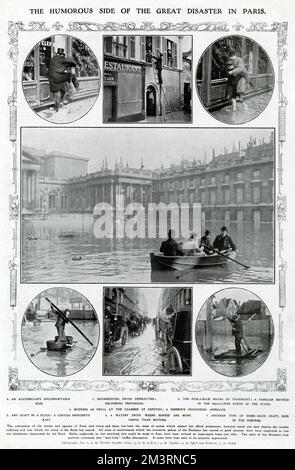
<point>207,232</point>
<point>223,229</point>
<point>170,233</point>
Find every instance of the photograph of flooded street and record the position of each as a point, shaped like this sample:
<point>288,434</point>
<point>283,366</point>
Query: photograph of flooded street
<point>60,331</point>
<point>234,332</point>
<point>136,213</point>
<point>147,331</point>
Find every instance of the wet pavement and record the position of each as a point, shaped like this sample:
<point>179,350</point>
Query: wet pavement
<point>175,118</point>
<point>58,363</point>
<point>69,112</point>
<point>250,109</point>
<point>239,366</point>
<point>50,258</point>
<point>141,355</point>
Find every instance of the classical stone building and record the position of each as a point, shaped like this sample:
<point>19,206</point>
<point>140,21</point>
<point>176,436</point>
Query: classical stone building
<point>237,185</point>
<point>234,186</point>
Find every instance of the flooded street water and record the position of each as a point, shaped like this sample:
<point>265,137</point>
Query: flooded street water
<point>54,362</point>
<point>63,249</point>
<point>235,367</point>
<point>141,355</point>
<point>244,113</point>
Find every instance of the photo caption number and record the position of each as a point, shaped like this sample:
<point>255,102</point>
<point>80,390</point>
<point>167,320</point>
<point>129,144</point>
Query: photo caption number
<point>166,459</point>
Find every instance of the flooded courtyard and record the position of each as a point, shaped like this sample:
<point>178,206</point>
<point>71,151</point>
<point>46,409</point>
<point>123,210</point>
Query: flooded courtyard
<point>63,249</point>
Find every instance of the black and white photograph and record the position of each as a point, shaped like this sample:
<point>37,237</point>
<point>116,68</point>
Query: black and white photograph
<point>235,79</point>
<point>234,332</point>
<point>61,79</point>
<point>147,331</point>
<point>192,206</point>
<point>60,331</point>
<point>147,79</point>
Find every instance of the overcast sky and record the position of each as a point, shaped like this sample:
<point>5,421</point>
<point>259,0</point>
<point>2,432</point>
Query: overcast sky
<point>156,146</point>
<point>152,295</point>
<point>240,295</point>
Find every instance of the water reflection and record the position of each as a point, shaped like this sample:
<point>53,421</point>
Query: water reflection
<point>245,112</point>
<point>239,366</point>
<point>141,355</point>
<point>59,363</point>
<point>64,249</point>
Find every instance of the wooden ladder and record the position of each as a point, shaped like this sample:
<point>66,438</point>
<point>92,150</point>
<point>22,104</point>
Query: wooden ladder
<point>163,98</point>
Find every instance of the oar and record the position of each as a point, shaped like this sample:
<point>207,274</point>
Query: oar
<point>228,257</point>
<point>61,314</point>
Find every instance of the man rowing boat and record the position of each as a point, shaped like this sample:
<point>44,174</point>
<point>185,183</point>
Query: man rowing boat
<point>223,241</point>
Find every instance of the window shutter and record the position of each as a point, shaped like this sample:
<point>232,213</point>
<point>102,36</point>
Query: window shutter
<point>164,47</point>
<point>175,55</point>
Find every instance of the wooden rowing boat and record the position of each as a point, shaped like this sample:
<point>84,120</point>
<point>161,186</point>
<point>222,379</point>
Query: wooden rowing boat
<point>160,262</point>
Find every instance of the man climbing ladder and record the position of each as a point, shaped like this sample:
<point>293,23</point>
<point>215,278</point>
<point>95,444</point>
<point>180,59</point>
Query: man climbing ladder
<point>158,67</point>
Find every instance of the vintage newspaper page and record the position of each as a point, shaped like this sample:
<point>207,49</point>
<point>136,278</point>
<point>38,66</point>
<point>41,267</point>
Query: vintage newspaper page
<point>147,225</point>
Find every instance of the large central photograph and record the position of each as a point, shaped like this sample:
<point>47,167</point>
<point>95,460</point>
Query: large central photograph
<point>147,205</point>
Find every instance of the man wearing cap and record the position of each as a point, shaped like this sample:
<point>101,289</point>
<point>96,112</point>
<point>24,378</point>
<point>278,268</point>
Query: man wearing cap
<point>170,247</point>
<point>238,332</point>
<point>206,242</point>
<point>223,242</point>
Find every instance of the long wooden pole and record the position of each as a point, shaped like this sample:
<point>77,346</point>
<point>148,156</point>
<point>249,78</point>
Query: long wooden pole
<point>228,257</point>
<point>64,317</point>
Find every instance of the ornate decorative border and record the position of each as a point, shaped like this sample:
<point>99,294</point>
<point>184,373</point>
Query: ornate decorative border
<point>280,384</point>
<point>140,385</point>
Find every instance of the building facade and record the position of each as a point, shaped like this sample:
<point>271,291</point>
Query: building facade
<point>175,297</point>
<point>124,301</point>
<point>35,71</point>
<point>235,186</point>
<point>131,82</point>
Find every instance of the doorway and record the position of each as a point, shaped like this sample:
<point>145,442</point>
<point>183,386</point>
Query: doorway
<point>109,103</point>
<point>151,102</point>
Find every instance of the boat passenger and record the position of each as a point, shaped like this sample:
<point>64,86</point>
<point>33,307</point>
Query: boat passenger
<point>191,246</point>
<point>170,247</point>
<point>223,241</point>
<point>205,242</point>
